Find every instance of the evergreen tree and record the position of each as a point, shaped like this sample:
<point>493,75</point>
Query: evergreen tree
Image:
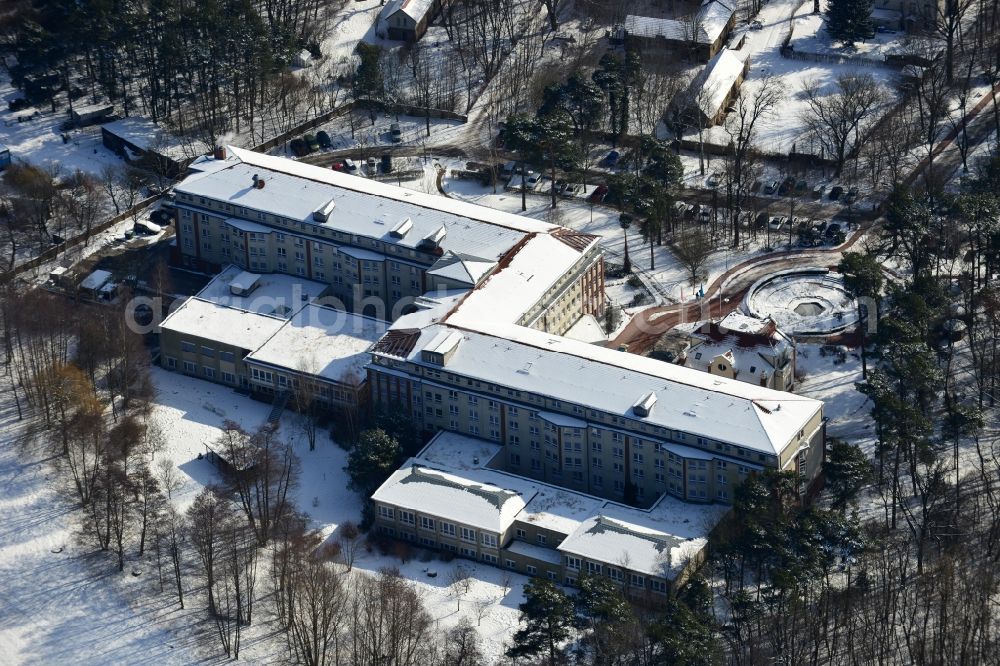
<point>863,279</point>
<point>547,614</point>
<point>850,20</point>
<point>372,460</point>
<point>847,470</point>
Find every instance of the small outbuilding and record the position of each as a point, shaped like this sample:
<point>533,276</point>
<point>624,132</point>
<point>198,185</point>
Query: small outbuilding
<point>93,284</point>
<point>141,140</point>
<point>702,34</point>
<point>715,88</point>
<point>407,20</point>
<point>90,114</point>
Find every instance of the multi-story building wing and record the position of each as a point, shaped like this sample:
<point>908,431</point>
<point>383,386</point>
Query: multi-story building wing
<point>378,246</point>
<point>581,416</point>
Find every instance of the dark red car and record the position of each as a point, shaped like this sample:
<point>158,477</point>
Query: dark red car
<point>597,196</point>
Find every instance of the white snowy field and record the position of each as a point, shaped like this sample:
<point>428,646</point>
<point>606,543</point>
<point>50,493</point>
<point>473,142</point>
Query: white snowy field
<point>191,413</point>
<point>38,141</point>
<point>62,603</point>
<point>58,602</point>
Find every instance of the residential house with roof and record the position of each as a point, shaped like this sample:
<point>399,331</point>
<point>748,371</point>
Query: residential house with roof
<point>700,34</point>
<point>738,346</point>
<point>407,20</point>
<point>715,88</point>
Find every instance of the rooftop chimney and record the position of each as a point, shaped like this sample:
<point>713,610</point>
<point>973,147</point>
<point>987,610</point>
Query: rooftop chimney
<point>220,152</point>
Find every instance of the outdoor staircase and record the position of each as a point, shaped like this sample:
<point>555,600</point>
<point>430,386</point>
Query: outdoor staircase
<point>278,406</point>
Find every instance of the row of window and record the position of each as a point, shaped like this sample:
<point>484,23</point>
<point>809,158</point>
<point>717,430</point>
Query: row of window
<point>433,525</point>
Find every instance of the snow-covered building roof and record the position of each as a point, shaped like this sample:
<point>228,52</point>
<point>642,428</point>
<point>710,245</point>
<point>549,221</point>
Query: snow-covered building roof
<point>712,19</point>
<point>459,451</point>
<point>462,269</point>
<point>415,9</point>
<point>271,293</point>
<point>576,373</point>
<point>323,342</point>
<point>704,27</point>
<point>96,280</point>
<point>712,86</point>
<point>656,542</point>
<point>526,275</point>
<point>479,498</point>
<point>588,329</point>
<point>560,510</point>
<point>229,326</point>
<point>146,135</point>
<point>356,207</point>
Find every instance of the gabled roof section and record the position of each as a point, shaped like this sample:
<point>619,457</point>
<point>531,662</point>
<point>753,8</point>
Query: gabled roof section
<point>577,241</point>
<point>396,343</point>
<point>461,268</point>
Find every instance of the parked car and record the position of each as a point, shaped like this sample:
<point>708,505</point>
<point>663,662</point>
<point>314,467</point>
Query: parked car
<point>573,190</point>
<point>299,147</point>
<point>533,180</point>
<point>612,159</point>
<point>338,166</point>
<point>395,132</point>
<point>801,186</point>
<point>852,195</point>
<point>714,180</point>
<point>161,217</point>
<point>350,165</point>
<point>771,187</point>
<point>324,139</point>
<point>821,225</point>
<point>705,215</point>
<point>831,230</point>
<point>835,192</point>
<point>311,141</point>
<point>597,196</point>
<point>819,190</point>
<point>786,185</point>
<point>756,25</point>
<point>761,220</point>
<point>386,163</point>
<point>372,166</point>
<point>18,104</point>
<point>776,223</point>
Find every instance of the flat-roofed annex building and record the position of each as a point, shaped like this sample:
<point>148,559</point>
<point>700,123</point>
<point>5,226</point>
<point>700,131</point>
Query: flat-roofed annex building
<point>449,497</point>
<point>268,334</point>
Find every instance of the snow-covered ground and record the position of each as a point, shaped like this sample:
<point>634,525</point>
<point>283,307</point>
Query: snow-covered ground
<point>191,413</point>
<point>58,605</point>
<point>809,35</point>
<point>68,605</point>
<point>824,378</point>
<point>784,128</point>
<point>38,140</point>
